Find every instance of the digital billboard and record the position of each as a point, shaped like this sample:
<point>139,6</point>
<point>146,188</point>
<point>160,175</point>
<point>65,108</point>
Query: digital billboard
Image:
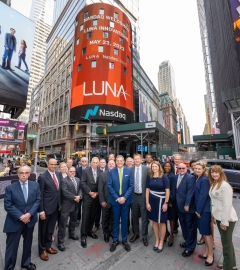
<point>16,44</point>
<point>102,87</point>
<point>147,110</point>
<point>11,131</point>
<point>235,10</point>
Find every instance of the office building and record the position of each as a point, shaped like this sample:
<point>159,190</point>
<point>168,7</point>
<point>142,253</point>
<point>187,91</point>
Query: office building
<point>7,2</point>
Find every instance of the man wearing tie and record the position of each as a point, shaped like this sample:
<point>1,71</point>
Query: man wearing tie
<point>186,209</point>
<point>50,186</point>
<point>176,160</point>
<point>21,202</point>
<point>71,195</point>
<point>148,160</point>
<point>89,183</point>
<point>120,186</point>
<point>140,174</point>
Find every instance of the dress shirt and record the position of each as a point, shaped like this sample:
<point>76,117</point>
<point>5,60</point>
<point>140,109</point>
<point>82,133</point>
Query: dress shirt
<point>179,176</point>
<point>51,173</point>
<point>94,171</point>
<point>21,183</point>
<point>140,178</point>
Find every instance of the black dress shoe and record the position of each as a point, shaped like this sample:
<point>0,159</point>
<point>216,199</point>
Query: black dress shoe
<point>187,253</point>
<point>31,266</point>
<point>113,246</point>
<point>93,235</point>
<point>145,242</point>
<point>134,238</point>
<point>74,237</point>
<point>126,246</point>
<point>106,238</point>
<point>209,263</point>
<point>202,257</point>
<point>84,243</point>
<point>183,245</point>
<point>61,247</point>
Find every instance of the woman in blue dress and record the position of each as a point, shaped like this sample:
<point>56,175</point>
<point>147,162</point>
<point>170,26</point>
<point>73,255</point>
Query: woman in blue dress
<point>203,211</point>
<point>157,196</point>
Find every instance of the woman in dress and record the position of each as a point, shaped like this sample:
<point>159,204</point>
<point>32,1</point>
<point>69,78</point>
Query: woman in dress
<point>157,197</point>
<point>63,169</point>
<point>223,214</point>
<point>168,171</point>
<point>203,211</point>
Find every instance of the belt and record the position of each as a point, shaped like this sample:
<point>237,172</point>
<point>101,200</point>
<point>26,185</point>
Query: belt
<point>139,194</point>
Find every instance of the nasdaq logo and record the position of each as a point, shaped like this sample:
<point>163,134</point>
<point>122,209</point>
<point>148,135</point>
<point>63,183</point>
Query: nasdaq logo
<point>91,112</point>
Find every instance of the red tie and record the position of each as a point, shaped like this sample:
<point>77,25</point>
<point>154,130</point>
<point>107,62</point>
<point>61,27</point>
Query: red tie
<point>55,180</point>
<point>177,172</point>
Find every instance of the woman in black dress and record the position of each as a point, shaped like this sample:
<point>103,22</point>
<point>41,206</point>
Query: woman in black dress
<point>157,196</point>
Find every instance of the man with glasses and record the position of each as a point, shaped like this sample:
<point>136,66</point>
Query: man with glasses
<point>71,195</point>
<point>21,202</point>
<point>50,186</point>
<point>186,209</point>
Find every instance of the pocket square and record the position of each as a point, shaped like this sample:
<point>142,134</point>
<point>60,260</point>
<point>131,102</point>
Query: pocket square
<point>126,175</point>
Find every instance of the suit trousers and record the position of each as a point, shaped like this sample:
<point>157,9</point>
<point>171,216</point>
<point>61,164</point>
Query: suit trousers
<point>98,216</point>
<point>188,222</point>
<point>79,210</point>
<point>45,231</point>
<point>107,220</point>
<point>120,211</point>
<point>229,258</point>
<point>139,204</point>
<point>62,225</point>
<point>89,211</point>
<point>12,244</point>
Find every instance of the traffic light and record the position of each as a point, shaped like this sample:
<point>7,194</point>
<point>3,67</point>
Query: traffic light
<point>76,127</point>
<point>104,131</point>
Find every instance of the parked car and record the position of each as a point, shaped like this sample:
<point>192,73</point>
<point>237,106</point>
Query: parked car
<point>43,162</point>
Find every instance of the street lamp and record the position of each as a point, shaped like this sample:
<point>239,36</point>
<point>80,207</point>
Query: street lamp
<point>90,131</point>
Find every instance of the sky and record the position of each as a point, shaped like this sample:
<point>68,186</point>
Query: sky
<point>169,30</point>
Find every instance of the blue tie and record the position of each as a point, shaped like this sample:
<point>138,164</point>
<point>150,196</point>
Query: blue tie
<point>25,192</point>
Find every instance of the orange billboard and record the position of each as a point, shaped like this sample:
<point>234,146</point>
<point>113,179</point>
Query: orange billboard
<point>102,87</point>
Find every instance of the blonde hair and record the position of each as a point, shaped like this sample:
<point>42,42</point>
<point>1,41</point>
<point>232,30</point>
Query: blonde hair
<point>62,163</point>
<point>160,172</point>
<point>203,165</point>
<point>222,177</point>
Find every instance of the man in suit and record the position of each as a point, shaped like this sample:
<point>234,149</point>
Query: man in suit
<point>107,214</point>
<point>50,186</point>
<point>186,209</point>
<point>139,173</point>
<point>69,163</point>
<point>148,160</point>
<point>89,182</point>
<point>21,202</point>
<point>120,186</point>
<point>129,162</point>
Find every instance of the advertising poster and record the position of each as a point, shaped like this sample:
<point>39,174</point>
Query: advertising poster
<point>147,110</point>
<point>11,131</point>
<point>235,10</point>
<point>16,44</point>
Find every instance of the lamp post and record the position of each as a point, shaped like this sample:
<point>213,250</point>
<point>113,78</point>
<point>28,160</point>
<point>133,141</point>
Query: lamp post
<point>90,131</point>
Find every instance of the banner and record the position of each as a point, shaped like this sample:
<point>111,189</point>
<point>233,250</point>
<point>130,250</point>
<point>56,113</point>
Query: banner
<point>11,131</point>
<point>147,110</point>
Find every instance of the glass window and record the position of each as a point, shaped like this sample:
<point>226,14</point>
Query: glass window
<point>79,67</point>
<point>77,41</point>
<point>115,51</point>
<point>111,65</point>
<point>85,15</point>
<point>81,27</point>
<point>95,22</point>
<point>93,64</point>
<point>101,11</point>
<point>105,34</point>
<point>124,31</point>
<point>84,50</point>
<point>125,70</point>
<point>74,57</point>
<point>76,23</point>
<point>89,35</point>
<point>115,15</point>
<point>128,59</point>
<point>100,48</point>
<point>237,166</point>
<point>112,24</point>
<point>121,40</point>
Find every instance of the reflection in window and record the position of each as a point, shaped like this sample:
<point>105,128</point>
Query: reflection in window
<point>81,27</point>
<point>77,41</point>
<point>85,15</point>
<point>124,31</point>
<point>100,48</point>
<point>115,51</point>
<point>121,40</point>
<point>115,15</point>
<point>105,34</point>
<point>112,24</point>
<point>79,67</point>
<point>101,11</point>
<point>95,22</point>
<point>111,65</point>
<point>93,64</point>
<point>89,35</point>
<point>84,50</point>
<point>128,59</point>
<point>125,70</point>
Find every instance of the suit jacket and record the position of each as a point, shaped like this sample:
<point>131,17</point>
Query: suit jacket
<point>68,193</point>
<point>114,186</point>
<point>50,196</point>
<point>173,186</point>
<point>15,206</point>
<point>103,188</point>
<point>185,193</point>
<point>10,41</point>
<point>79,171</point>
<point>202,199</point>
<point>144,175</point>
<point>88,183</point>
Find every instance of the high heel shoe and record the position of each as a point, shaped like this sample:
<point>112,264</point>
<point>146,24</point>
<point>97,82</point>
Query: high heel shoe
<point>202,257</point>
<point>155,248</point>
<point>209,263</point>
<point>170,243</point>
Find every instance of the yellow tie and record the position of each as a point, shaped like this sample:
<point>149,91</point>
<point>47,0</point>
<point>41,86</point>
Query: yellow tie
<point>120,181</point>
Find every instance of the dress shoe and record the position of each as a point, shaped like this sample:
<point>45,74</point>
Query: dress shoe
<point>209,263</point>
<point>187,253</point>
<point>61,247</point>
<point>134,238</point>
<point>145,242</point>
<point>155,248</point>
<point>183,245</point>
<point>159,250</point>
<point>202,257</point>
<point>113,246</point>
<point>52,251</point>
<point>74,237</point>
<point>31,266</point>
<point>93,235</point>
<point>84,243</point>
<point>95,229</point>
<point>170,244</point>
<point>126,246</point>
<point>106,238</point>
<point>44,256</point>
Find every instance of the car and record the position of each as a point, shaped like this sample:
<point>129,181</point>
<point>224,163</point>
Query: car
<point>43,162</point>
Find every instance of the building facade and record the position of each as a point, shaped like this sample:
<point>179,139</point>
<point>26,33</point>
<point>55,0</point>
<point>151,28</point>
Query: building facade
<point>7,2</point>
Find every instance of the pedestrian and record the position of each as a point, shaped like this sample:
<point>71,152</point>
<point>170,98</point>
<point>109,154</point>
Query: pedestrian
<point>21,202</point>
<point>157,199</point>
<point>223,214</point>
<point>22,55</point>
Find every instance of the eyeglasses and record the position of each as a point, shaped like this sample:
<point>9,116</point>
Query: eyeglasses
<point>22,173</point>
<point>181,168</point>
<point>72,171</point>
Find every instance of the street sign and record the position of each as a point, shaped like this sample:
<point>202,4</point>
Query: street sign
<point>31,135</point>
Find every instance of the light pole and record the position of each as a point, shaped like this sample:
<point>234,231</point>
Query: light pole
<point>90,132</point>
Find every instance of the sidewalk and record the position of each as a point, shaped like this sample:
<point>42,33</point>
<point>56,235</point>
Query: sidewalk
<point>98,257</point>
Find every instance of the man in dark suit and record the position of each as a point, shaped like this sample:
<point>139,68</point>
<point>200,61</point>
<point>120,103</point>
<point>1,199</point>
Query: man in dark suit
<point>21,203</point>
<point>50,186</point>
<point>139,173</point>
<point>148,160</point>
<point>71,195</point>
<point>186,209</point>
<point>107,214</point>
<point>120,186</point>
<point>89,183</point>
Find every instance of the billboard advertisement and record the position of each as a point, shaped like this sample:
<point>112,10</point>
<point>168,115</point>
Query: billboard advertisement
<point>147,110</point>
<point>102,87</point>
<point>11,131</point>
<point>16,44</point>
<point>235,10</point>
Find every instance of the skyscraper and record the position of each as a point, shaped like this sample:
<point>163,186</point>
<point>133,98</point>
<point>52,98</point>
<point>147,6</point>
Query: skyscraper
<point>7,2</point>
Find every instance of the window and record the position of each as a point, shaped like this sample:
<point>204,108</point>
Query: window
<point>74,57</point>
<point>85,15</point>
<point>105,34</point>
<point>111,65</point>
<point>81,27</point>
<point>125,70</point>
<point>77,41</point>
<point>112,24</point>
<point>101,11</point>
<point>121,40</point>
<point>84,50</point>
<point>93,64</point>
<point>76,23</point>
<point>79,67</point>
<point>89,35</point>
<point>115,51</point>
<point>128,59</point>
<point>100,48</point>
<point>95,22</point>
<point>124,31</point>
<point>115,15</point>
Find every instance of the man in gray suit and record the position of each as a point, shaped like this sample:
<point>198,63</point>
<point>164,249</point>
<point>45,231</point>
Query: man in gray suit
<point>71,195</point>
<point>107,214</point>
<point>140,173</point>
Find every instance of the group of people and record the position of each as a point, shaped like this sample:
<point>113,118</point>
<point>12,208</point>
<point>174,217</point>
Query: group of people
<point>120,194</point>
